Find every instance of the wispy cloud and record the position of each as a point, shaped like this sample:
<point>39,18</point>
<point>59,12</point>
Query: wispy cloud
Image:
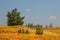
<point>52,17</point>
<point>27,10</point>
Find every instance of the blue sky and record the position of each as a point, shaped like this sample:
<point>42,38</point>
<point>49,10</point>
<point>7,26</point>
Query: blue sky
<point>36,11</point>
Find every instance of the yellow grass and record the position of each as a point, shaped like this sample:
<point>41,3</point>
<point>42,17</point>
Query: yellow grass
<point>10,33</point>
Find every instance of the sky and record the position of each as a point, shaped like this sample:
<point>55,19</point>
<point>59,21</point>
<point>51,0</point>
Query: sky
<point>35,11</point>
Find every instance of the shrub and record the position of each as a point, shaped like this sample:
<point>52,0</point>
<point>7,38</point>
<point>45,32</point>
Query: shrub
<point>46,26</point>
<point>22,31</point>
<point>27,31</point>
<point>51,25</point>
<point>39,30</point>
<point>29,25</point>
<point>19,31</point>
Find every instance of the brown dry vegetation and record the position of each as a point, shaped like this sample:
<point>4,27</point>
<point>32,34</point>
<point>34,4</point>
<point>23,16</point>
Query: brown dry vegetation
<point>10,33</point>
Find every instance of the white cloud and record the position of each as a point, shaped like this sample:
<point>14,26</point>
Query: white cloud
<point>28,10</point>
<point>52,17</point>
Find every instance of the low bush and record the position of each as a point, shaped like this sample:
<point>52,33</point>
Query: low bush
<point>22,31</point>
<point>27,31</point>
<point>39,30</point>
<point>19,31</point>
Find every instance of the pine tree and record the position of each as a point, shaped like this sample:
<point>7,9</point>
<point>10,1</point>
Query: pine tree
<point>14,18</point>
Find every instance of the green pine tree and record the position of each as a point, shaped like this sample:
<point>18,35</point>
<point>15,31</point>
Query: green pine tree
<point>14,18</point>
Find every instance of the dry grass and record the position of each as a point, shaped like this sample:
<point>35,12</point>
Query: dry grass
<point>10,33</point>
